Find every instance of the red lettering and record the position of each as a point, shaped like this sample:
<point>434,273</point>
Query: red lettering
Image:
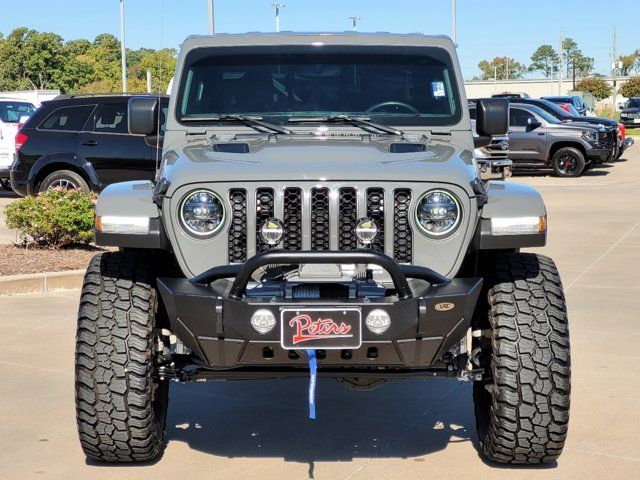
<point>308,329</point>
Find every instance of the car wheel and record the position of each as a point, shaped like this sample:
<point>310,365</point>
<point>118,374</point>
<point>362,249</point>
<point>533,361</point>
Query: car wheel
<point>568,162</point>
<point>6,183</point>
<point>522,402</point>
<point>121,403</point>
<point>65,180</point>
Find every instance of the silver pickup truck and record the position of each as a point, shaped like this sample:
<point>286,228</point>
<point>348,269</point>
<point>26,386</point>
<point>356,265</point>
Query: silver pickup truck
<point>318,211</point>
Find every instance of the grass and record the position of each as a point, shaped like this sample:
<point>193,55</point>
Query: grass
<point>633,131</point>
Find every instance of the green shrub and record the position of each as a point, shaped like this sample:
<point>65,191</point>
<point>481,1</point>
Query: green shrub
<point>53,219</point>
<point>596,86</point>
<point>631,88</point>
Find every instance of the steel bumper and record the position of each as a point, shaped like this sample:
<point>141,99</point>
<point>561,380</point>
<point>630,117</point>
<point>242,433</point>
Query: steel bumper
<point>213,321</point>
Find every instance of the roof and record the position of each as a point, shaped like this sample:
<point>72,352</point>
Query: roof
<point>317,38</point>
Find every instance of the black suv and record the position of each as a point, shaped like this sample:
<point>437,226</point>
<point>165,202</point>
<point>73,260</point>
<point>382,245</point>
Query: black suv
<point>82,142</point>
<point>630,115</point>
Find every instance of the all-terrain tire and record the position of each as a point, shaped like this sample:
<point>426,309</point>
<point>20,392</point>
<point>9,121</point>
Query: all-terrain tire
<point>121,405</point>
<point>568,162</point>
<point>522,410</point>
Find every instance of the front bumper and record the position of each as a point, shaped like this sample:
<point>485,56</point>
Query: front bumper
<point>213,320</point>
<point>599,155</point>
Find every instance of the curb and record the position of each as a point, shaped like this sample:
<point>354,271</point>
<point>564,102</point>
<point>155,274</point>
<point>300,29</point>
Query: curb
<point>41,282</point>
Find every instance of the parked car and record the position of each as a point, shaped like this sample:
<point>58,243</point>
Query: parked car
<point>570,109</point>
<point>510,95</point>
<point>537,139</point>
<point>12,113</point>
<point>574,100</point>
<point>611,126</point>
<point>630,114</point>
<point>330,223</point>
<point>81,142</point>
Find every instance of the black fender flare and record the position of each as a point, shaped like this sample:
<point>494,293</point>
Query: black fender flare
<point>62,159</point>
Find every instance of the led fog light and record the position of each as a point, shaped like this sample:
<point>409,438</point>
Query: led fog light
<point>263,321</point>
<point>272,231</point>
<point>366,230</point>
<point>378,321</point>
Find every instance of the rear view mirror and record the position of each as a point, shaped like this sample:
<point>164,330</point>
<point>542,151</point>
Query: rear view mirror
<point>492,117</point>
<point>143,115</point>
<point>533,124</point>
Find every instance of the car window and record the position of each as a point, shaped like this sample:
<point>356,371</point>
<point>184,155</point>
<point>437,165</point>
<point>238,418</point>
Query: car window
<point>70,118</point>
<point>520,118</point>
<point>111,118</point>
<point>12,112</point>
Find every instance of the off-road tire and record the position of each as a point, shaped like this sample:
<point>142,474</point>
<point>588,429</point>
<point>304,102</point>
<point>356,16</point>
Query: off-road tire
<point>121,405</point>
<point>577,156</point>
<point>75,181</point>
<point>522,410</point>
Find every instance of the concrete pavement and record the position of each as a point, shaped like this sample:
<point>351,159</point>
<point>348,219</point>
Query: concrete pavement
<point>409,429</point>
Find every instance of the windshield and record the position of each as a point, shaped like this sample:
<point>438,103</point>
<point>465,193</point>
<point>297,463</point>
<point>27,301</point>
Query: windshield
<point>403,87</point>
<point>11,112</point>
<point>633,103</point>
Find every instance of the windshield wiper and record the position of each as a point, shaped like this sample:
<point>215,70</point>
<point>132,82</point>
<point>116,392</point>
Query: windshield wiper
<point>359,121</point>
<point>253,122</point>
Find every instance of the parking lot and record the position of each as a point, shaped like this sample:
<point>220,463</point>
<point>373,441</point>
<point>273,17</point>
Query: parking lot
<point>410,429</point>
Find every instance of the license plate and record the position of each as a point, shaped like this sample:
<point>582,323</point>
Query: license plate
<point>636,120</point>
<point>321,328</point>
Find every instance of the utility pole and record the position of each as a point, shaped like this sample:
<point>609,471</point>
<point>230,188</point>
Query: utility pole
<point>355,22</point>
<point>560,67</point>
<point>211,11</point>
<point>614,65</point>
<point>573,71</point>
<point>453,21</point>
<point>495,79</point>
<point>278,6</point>
<point>507,72</point>
<point>123,51</point>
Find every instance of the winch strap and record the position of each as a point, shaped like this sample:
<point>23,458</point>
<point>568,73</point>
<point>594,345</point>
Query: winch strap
<point>313,368</point>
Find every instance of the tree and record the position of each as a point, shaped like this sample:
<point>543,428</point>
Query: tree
<point>505,68</point>
<point>597,86</point>
<point>631,88</point>
<point>544,59</point>
<point>630,63</point>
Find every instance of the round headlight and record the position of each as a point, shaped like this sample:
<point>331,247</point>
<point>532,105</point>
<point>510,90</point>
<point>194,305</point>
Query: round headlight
<point>438,213</point>
<point>202,213</point>
<point>272,231</point>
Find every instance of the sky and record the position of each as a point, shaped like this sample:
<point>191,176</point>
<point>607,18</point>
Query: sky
<point>486,28</point>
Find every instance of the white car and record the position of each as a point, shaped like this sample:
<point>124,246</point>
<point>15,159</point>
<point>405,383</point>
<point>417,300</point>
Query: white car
<point>13,113</point>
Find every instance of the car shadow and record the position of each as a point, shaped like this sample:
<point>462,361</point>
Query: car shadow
<point>402,419</point>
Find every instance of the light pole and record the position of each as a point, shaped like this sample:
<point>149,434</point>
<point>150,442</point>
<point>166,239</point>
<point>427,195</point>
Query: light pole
<point>354,20</point>
<point>210,8</point>
<point>453,20</point>
<point>278,6</point>
<point>123,51</point>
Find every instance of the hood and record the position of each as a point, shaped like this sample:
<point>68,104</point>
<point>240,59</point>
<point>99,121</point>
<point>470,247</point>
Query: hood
<point>321,159</point>
<point>596,120</point>
<point>631,110</point>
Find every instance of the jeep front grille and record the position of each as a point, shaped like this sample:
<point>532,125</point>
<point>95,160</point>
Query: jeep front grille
<point>320,229</point>
<point>321,218</point>
<point>265,205</point>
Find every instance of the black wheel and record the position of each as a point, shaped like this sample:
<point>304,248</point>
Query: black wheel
<point>64,179</point>
<point>121,405</point>
<point>522,408</point>
<point>568,162</point>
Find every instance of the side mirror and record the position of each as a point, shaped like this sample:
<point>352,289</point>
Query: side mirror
<point>492,117</point>
<point>143,115</point>
<point>533,124</point>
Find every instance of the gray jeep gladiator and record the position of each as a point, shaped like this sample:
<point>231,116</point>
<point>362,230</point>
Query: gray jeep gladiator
<point>318,210</point>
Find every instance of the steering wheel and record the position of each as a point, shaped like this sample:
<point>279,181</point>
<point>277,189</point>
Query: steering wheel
<point>380,105</point>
